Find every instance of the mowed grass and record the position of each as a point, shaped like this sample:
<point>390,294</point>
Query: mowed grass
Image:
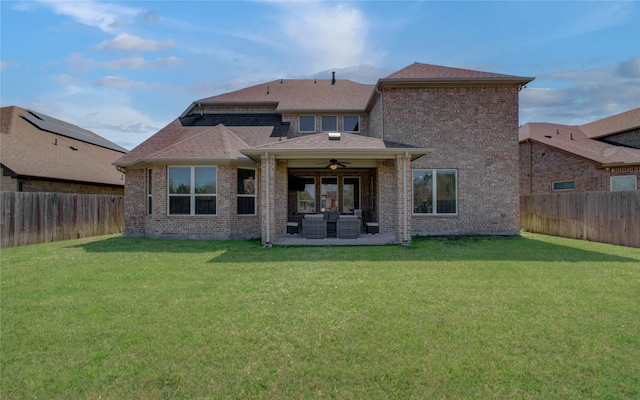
<point>531,317</point>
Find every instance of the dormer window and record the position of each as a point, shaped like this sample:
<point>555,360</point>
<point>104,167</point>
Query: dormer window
<point>329,123</point>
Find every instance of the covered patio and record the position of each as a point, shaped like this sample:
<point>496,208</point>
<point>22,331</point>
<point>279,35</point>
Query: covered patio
<point>335,177</point>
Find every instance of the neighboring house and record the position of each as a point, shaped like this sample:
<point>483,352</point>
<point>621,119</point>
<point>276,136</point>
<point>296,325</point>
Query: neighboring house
<point>426,150</point>
<point>44,154</point>
<point>603,155</point>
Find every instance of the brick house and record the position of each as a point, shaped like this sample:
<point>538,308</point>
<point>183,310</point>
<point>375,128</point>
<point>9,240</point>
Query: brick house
<point>602,155</point>
<point>426,150</point>
<point>44,154</point>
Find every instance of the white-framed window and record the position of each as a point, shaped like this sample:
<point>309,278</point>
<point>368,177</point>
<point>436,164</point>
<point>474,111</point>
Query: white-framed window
<point>307,123</point>
<point>149,190</point>
<point>350,194</point>
<point>307,196</point>
<point>435,191</point>
<point>192,190</point>
<point>246,191</point>
<point>329,123</point>
<point>623,183</point>
<point>329,194</point>
<point>351,123</point>
<point>563,185</point>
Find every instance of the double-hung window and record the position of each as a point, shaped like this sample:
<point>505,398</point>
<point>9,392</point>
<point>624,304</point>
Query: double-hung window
<point>192,190</point>
<point>329,123</point>
<point>307,123</point>
<point>435,191</point>
<point>246,191</point>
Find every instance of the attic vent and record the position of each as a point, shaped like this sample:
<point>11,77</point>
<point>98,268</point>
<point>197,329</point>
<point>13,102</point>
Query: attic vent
<point>334,135</point>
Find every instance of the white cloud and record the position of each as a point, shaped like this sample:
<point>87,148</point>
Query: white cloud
<point>126,42</point>
<point>591,94</point>
<point>108,17</point>
<point>328,35</point>
<point>78,63</point>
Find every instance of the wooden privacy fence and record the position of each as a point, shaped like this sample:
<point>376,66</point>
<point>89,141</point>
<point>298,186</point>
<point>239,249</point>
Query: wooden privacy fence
<point>608,217</point>
<point>29,218</point>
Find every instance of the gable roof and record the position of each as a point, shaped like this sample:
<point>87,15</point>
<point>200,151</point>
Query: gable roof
<point>618,123</point>
<point>297,95</point>
<point>572,139</point>
<point>193,144</point>
<point>36,145</point>
<point>427,73</point>
<point>320,144</point>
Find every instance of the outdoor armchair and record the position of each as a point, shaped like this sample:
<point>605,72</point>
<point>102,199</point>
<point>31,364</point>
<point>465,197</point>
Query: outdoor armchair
<point>314,226</point>
<point>348,227</point>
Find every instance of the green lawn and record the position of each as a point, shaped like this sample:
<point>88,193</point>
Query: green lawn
<point>122,318</point>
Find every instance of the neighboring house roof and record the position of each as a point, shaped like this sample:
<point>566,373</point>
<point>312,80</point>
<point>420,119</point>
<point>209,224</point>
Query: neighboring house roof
<point>572,139</point>
<point>36,145</point>
<point>618,123</point>
<point>179,143</point>
<point>298,95</point>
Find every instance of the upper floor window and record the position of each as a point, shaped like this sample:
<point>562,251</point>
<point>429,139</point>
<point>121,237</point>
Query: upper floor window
<point>564,185</point>
<point>351,123</point>
<point>624,183</point>
<point>192,190</point>
<point>435,191</point>
<point>246,191</point>
<point>329,123</point>
<point>307,123</point>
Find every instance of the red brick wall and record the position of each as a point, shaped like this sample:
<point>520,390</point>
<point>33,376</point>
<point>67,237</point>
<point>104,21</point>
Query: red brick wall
<point>34,185</point>
<point>473,130</point>
<point>541,165</point>
<point>225,225</point>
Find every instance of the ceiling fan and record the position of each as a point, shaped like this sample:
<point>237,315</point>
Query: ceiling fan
<point>334,164</point>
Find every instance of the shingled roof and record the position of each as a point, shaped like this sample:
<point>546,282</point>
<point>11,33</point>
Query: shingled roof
<point>197,143</point>
<point>298,95</point>
<point>340,143</point>
<point>572,139</point>
<point>36,145</point>
<point>436,73</point>
<point>618,123</point>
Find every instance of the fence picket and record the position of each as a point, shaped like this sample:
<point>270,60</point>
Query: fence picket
<point>43,217</point>
<point>608,217</point>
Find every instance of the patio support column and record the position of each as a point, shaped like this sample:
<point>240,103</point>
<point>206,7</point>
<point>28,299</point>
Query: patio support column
<point>403,187</point>
<point>267,197</point>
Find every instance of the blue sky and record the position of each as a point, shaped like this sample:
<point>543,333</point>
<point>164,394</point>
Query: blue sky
<point>125,69</point>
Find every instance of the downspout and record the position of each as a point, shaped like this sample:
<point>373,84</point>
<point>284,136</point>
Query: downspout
<point>381,109</point>
<point>268,195</point>
<point>404,190</point>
